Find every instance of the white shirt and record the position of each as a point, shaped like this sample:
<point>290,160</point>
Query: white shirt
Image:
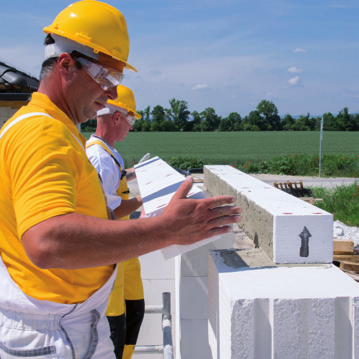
<point>107,169</point>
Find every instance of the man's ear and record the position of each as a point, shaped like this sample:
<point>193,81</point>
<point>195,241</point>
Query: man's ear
<point>66,63</point>
<point>116,117</point>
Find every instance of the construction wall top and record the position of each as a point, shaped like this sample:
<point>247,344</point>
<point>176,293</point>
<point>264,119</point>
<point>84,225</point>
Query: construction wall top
<point>286,228</point>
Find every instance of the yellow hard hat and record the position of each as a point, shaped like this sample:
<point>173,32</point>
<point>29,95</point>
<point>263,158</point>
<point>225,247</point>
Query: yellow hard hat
<point>125,99</point>
<point>96,25</point>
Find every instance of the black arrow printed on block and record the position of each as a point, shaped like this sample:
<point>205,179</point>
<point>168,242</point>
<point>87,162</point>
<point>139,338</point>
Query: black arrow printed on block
<point>304,248</point>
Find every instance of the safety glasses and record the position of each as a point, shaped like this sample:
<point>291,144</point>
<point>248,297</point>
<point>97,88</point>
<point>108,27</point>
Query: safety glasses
<point>129,118</point>
<point>104,77</point>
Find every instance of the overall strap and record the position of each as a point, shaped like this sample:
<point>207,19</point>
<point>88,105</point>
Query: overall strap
<point>100,143</point>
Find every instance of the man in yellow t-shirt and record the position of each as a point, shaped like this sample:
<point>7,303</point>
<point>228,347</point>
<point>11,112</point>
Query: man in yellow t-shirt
<point>59,252</point>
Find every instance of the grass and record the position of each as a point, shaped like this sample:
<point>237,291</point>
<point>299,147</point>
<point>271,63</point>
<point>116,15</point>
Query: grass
<point>229,147</point>
<point>291,153</point>
<point>305,165</point>
<point>342,202</point>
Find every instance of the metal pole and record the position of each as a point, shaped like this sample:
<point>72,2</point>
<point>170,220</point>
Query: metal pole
<point>167,347</point>
<point>148,349</point>
<point>320,145</point>
<point>166,326</point>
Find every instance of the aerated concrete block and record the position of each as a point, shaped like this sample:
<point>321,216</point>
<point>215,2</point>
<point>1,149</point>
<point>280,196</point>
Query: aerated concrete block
<point>195,263</point>
<point>164,269</point>
<point>196,347</point>
<point>158,182</point>
<point>258,310</point>
<point>287,228</point>
<point>192,298</point>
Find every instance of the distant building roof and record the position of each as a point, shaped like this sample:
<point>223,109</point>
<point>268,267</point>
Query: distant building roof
<point>14,81</point>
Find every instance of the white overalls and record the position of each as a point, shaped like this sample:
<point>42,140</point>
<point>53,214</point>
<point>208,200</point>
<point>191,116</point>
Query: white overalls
<point>32,328</point>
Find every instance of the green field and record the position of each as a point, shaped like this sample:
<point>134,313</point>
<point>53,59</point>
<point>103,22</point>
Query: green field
<point>228,147</point>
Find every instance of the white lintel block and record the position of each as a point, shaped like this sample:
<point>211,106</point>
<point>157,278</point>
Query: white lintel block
<point>288,229</point>
<point>158,182</point>
<point>259,310</point>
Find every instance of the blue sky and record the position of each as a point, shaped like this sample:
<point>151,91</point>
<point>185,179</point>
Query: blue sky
<point>229,55</point>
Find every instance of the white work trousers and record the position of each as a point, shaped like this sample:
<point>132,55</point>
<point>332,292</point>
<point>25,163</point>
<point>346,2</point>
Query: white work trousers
<point>40,329</point>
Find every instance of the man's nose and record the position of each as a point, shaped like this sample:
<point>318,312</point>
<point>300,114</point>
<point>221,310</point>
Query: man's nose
<point>111,93</point>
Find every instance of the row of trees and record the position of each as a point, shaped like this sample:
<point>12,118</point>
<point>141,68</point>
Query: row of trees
<point>264,118</point>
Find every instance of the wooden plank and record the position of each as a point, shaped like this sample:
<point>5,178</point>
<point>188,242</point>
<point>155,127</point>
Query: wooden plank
<point>350,266</point>
<point>346,257</point>
<point>343,247</point>
<point>310,200</point>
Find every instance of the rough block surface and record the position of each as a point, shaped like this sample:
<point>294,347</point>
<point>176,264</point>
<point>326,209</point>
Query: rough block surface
<point>288,229</point>
<point>259,310</point>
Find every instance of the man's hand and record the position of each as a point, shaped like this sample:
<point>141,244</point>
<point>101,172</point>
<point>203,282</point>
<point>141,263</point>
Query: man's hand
<point>144,158</point>
<point>193,220</point>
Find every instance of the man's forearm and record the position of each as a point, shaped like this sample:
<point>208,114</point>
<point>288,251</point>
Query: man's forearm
<point>76,241</point>
<point>127,207</point>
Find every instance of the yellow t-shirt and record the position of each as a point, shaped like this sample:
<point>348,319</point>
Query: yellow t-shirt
<point>44,172</point>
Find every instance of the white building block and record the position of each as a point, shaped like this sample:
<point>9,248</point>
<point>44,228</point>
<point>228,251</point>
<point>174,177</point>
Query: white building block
<point>158,182</point>
<point>192,289</point>
<point>189,273</point>
<point>288,229</point>
<point>155,267</point>
<point>195,262</point>
<point>354,312</point>
<point>197,346</point>
<point>258,310</point>
<point>192,299</point>
<point>310,327</point>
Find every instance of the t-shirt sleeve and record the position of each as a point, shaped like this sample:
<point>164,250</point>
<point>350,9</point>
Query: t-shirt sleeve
<point>44,169</point>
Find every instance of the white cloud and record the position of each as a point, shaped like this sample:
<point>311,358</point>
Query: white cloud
<point>200,86</point>
<point>295,70</point>
<point>270,95</point>
<point>298,49</point>
<point>354,5</point>
<point>351,93</point>
<point>293,81</point>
